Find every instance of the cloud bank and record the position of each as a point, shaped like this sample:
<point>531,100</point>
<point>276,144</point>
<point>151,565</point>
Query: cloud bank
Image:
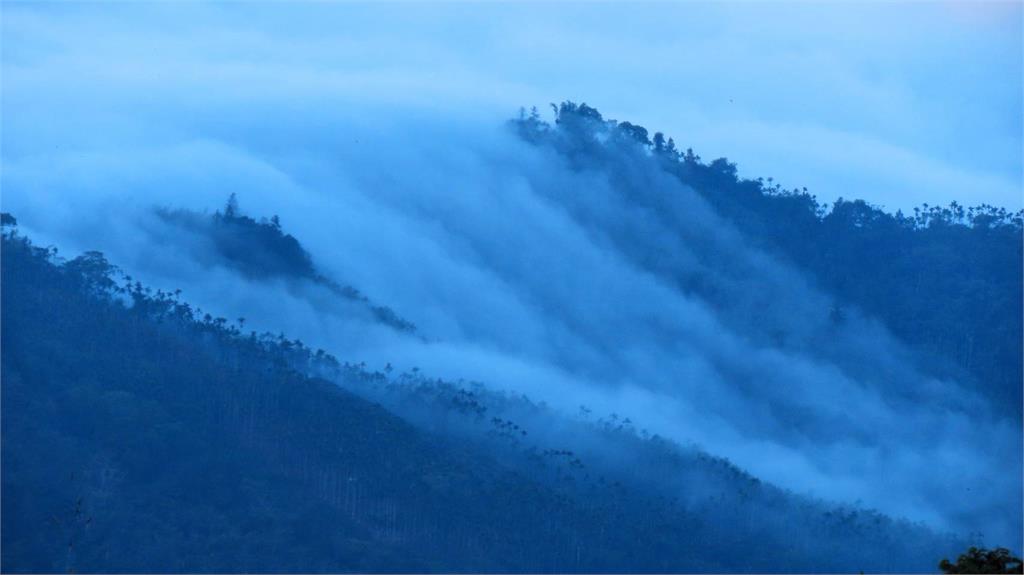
<point>902,103</point>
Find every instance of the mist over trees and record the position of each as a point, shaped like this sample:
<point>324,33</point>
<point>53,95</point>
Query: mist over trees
<point>947,279</point>
<point>141,433</point>
<point>261,250</point>
<point>847,248</point>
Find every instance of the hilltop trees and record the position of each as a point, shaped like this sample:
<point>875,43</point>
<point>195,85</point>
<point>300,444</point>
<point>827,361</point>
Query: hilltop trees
<point>977,560</point>
<point>261,249</point>
<point>946,279</point>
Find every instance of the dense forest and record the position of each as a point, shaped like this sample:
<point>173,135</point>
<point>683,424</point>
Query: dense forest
<point>142,433</point>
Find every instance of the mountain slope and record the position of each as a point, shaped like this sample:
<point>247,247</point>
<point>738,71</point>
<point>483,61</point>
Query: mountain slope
<point>137,437</point>
<point>948,280</point>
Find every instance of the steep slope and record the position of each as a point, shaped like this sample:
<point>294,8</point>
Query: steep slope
<point>948,280</point>
<point>137,437</point>
<point>135,440</point>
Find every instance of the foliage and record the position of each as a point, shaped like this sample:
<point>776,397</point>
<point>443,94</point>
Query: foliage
<point>262,250</point>
<point>976,560</point>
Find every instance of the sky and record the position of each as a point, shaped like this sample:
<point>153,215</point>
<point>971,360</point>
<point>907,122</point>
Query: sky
<point>375,131</point>
<point>896,103</point>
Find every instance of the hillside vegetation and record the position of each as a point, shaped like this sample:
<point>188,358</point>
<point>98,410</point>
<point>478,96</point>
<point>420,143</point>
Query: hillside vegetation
<point>141,433</point>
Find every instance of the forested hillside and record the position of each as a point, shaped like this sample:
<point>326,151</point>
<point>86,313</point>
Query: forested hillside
<point>291,287</point>
<point>141,434</point>
<point>947,279</point>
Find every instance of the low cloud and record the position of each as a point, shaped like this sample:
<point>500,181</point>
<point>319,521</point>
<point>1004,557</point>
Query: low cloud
<point>616,288</point>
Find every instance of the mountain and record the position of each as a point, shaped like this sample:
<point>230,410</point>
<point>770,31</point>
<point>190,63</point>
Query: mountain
<point>139,437</point>
<point>141,433</point>
<point>948,280</point>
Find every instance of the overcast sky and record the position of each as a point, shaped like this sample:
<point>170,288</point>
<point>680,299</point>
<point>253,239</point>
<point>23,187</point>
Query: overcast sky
<point>896,103</point>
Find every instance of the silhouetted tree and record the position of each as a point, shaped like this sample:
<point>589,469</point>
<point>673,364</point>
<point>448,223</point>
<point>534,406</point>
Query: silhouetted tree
<point>977,560</point>
<point>659,142</point>
<point>635,132</point>
<point>231,209</point>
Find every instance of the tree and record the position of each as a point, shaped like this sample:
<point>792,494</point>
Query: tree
<point>638,133</point>
<point>231,210</point>
<point>977,560</point>
<point>659,142</point>
<point>724,166</point>
<point>670,148</point>
<point>93,270</point>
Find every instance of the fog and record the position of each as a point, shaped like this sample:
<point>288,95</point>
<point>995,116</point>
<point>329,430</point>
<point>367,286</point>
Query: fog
<point>612,287</point>
<point>905,103</point>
